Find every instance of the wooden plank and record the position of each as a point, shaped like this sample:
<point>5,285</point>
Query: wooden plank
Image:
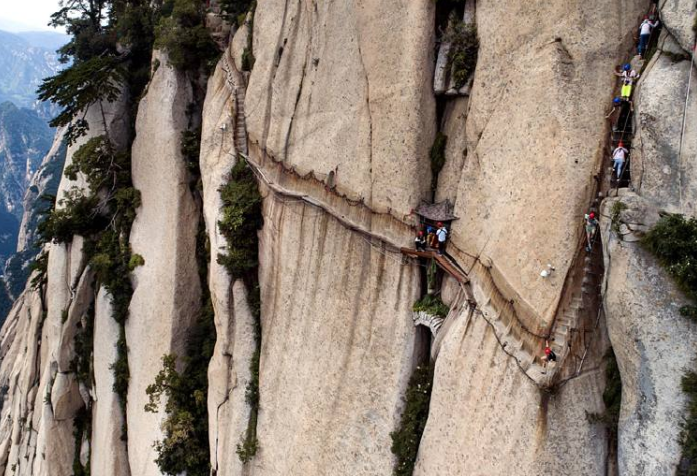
<point>414,252</point>
<point>450,269</point>
<point>442,261</point>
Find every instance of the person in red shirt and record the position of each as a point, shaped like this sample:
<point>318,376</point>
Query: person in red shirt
<point>549,356</point>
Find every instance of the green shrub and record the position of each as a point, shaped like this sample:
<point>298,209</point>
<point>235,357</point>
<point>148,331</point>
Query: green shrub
<point>184,425</point>
<point>190,147</point>
<point>247,449</point>
<point>464,50</point>
<point>437,156</point>
<point>674,243</point>
<point>81,364</point>
<point>184,36</point>
<point>99,163</point>
<point>135,261</point>
<point>431,305</point>
<point>78,215</point>
<point>247,59</point>
<point>405,441</point>
<point>240,221</point>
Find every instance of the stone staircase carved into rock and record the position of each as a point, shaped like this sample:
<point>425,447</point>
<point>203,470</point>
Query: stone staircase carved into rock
<point>236,83</point>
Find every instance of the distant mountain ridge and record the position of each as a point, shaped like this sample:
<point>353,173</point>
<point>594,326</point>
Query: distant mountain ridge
<point>25,60</point>
<point>50,40</point>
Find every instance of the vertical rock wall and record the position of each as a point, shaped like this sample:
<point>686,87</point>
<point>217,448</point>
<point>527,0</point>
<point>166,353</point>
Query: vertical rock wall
<point>109,452</point>
<point>337,345</point>
<point>44,393</point>
<point>487,417</point>
<point>534,138</point>
<point>229,371</point>
<point>346,87</point>
<point>166,296</point>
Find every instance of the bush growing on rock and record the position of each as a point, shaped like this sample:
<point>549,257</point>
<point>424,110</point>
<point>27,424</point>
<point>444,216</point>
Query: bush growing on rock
<point>405,441</point>
<point>431,305</point>
<point>179,451</point>
<point>437,156</point>
<point>241,220</point>
<point>464,50</point>
<point>674,242</point>
<point>182,33</point>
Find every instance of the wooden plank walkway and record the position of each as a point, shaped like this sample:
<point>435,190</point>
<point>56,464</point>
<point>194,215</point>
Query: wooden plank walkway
<point>442,261</point>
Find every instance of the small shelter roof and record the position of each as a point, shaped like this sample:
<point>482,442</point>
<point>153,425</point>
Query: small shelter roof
<point>441,211</point>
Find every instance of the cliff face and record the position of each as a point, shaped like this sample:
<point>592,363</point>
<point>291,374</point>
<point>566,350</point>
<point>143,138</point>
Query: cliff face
<point>335,122</point>
<point>166,288</point>
<point>653,342</point>
<point>42,395</point>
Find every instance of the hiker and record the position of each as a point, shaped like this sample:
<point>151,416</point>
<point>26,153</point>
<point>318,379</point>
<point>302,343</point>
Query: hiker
<point>549,356</point>
<point>628,76</point>
<point>616,106</point>
<point>591,229</point>
<point>618,156</point>
<point>645,34</point>
<point>431,239</point>
<point>420,242</point>
<point>624,123</point>
<point>442,234</point>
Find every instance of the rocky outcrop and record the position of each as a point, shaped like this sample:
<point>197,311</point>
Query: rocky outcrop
<point>38,360</point>
<point>653,343</point>
<point>109,450</point>
<point>679,17</point>
<point>534,138</point>
<point>346,88</point>
<point>229,370</point>
<point>664,152</point>
<point>166,297</point>
<point>487,417</point>
<point>44,181</point>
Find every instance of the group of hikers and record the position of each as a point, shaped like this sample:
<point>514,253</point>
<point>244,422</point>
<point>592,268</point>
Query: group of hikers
<point>622,123</point>
<point>431,237</point>
<point>436,237</point>
<point>623,106</point>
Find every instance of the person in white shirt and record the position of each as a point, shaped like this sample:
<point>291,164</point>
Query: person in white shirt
<point>618,156</point>
<point>645,34</point>
<point>442,234</point>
